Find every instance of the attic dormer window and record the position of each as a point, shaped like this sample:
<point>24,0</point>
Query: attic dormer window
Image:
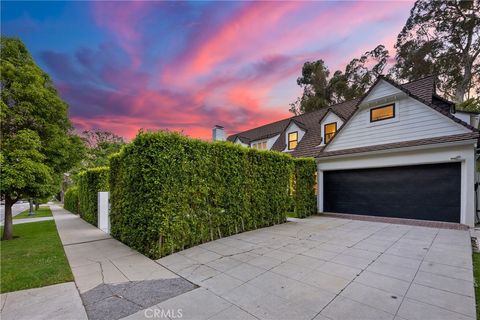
<point>330,129</point>
<point>382,113</point>
<point>292,140</point>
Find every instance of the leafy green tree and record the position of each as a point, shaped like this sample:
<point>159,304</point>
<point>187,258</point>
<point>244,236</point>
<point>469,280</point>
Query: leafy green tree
<point>316,90</point>
<point>442,38</point>
<point>321,90</point>
<point>100,145</point>
<point>24,171</point>
<point>37,140</point>
<point>470,105</point>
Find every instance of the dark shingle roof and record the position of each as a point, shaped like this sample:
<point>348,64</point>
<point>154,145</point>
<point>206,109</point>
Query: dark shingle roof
<point>263,132</point>
<point>307,147</point>
<point>422,89</point>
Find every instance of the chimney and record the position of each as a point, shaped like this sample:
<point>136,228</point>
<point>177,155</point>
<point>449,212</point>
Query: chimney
<point>218,133</point>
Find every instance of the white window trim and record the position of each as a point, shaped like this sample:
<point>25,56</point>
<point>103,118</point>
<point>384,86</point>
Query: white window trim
<point>386,121</point>
<point>259,142</point>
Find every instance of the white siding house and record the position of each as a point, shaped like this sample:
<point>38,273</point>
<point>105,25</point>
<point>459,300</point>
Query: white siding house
<point>399,152</point>
<point>412,121</point>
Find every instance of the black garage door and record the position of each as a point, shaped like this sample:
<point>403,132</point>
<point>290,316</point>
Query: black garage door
<point>426,192</point>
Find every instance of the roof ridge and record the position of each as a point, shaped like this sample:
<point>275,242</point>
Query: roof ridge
<point>293,117</point>
<point>326,108</point>
<point>422,78</point>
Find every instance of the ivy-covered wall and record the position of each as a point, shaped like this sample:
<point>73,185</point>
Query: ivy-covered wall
<point>305,201</point>
<point>169,192</point>
<point>90,182</point>
<point>70,200</point>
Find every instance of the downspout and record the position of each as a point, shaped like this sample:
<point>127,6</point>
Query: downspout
<point>476,187</point>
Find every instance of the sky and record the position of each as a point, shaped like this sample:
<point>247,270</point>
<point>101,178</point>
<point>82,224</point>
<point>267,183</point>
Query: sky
<point>187,66</point>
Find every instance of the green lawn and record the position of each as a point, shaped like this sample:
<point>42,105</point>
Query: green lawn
<point>41,212</point>
<point>35,258</point>
<point>476,273</point>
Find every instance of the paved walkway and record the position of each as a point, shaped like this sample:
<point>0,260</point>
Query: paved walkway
<point>29,220</point>
<point>326,269</point>
<point>318,268</point>
<point>57,302</point>
<point>113,280</point>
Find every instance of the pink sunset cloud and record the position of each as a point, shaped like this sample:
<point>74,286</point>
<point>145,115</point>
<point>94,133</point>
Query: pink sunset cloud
<point>187,67</point>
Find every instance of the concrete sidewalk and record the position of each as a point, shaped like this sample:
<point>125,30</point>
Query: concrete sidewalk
<point>56,302</point>
<point>30,220</point>
<point>114,281</point>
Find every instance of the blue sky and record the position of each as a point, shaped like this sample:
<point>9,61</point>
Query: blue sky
<point>187,66</point>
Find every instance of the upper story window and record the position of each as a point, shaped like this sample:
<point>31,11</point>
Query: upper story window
<point>292,140</point>
<point>330,129</point>
<point>382,113</point>
<point>262,145</point>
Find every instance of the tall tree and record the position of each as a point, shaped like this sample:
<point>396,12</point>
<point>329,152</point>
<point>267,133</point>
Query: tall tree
<point>320,90</point>
<point>442,38</point>
<point>100,145</point>
<point>37,140</point>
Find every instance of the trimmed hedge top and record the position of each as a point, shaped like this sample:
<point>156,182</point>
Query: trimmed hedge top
<point>169,192</point>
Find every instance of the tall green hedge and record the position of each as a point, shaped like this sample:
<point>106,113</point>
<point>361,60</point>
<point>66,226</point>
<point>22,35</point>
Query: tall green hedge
<point>305,202</point>
<point>169,192</point>
<point>70,200</point>
<point>90,182</point>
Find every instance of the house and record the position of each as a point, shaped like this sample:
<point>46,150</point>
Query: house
<point>399,151</point>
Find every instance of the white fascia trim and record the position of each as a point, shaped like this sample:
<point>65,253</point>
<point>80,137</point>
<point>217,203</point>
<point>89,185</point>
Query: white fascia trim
<point>383,100</point>
<point>413,148</point>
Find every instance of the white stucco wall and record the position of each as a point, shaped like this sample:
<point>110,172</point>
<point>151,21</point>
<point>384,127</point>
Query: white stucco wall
<point>463,152</point>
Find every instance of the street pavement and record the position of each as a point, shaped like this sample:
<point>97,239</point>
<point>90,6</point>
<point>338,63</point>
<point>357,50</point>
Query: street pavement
<point>16,209</point>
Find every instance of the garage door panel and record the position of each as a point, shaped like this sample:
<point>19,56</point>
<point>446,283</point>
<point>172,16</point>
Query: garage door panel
<point>427,192</point>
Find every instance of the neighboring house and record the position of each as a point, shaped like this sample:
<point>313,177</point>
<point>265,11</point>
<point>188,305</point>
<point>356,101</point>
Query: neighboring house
<point>399,151</point>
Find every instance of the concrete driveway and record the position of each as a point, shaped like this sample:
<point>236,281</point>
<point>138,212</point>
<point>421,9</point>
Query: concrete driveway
<point>326,268</point>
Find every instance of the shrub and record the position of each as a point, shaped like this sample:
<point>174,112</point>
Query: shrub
<point>70,200</point>
<point>169,192</point>
<point>305,202</point>
<point>90,182</point>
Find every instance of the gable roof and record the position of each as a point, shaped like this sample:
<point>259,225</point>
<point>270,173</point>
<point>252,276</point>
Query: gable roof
<point>422,90</point>
<point>263,132</point>
<point>309,122</point>
<point>414,94</point>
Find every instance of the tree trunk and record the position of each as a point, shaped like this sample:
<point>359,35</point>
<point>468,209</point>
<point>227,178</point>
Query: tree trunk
<point>8,225</point>
<point>37,205</point>
<point>464,85</point>
<point>30,202</point>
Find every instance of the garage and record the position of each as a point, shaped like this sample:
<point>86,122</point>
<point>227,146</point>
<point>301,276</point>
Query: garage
<point>425,192</point>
